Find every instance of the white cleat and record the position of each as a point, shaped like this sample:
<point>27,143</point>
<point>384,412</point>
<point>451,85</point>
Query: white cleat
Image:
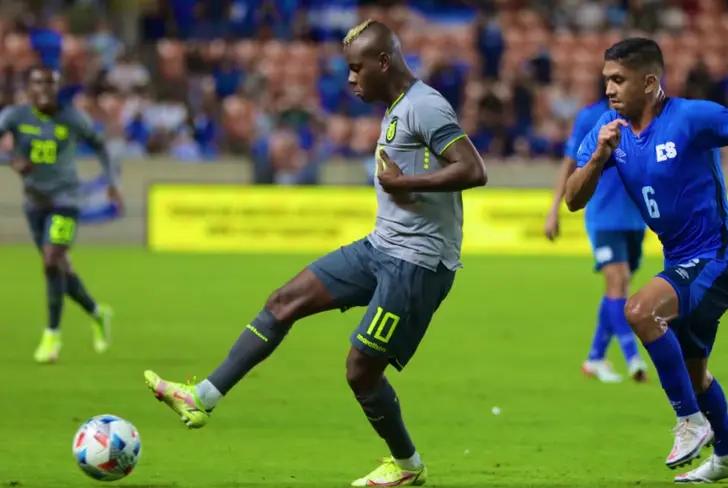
<point>601,370</point>
<point>690,437</point>
<point>713,469</point>
<point>637,369</point>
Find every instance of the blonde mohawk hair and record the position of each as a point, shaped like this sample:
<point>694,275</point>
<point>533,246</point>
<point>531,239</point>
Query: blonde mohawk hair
<point>356,31</point>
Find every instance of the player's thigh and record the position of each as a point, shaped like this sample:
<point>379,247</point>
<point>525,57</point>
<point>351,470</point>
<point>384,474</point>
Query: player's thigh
<point>348,274</point>
<point>401,309</point>
<point>702,288</point>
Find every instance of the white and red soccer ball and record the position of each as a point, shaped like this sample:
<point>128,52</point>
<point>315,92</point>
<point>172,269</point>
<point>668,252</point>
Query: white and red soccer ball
<point>107,447</point>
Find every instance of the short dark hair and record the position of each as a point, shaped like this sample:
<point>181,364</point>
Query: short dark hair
<point>636,52</point>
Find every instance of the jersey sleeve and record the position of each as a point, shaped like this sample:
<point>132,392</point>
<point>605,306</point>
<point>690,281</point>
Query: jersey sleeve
<point>84,127</point>
<point>587,147</point>
<point>8,119</point>
<point>434,120</point>
<point>578,131</point>
<point>589,143</point>
<point>709,124</point>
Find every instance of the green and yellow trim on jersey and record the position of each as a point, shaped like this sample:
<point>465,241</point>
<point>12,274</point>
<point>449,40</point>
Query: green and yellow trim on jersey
<point>452,141</point>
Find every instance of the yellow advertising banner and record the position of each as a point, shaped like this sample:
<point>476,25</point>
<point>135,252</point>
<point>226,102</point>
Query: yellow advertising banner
<point>272,219</point>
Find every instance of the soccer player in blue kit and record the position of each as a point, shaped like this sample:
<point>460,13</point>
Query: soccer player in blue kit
<point>666,153</point>
<point>616,230</point>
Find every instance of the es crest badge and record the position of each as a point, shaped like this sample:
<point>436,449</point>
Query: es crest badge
<point>391,130</point>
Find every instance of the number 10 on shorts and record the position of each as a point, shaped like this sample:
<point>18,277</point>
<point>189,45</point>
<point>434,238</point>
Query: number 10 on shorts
<point>382,327</point>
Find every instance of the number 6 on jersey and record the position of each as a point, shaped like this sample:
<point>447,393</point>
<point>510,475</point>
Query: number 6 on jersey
<point>652,208</point>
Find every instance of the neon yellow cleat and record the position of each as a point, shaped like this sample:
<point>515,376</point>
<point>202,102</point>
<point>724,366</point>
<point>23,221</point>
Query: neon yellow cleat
<point>181,398</point>
<point>390,474</point>
<point>101,328</point>
<point>49,348</point>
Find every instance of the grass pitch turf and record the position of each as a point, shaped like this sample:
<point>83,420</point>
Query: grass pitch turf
<point>512,335</point>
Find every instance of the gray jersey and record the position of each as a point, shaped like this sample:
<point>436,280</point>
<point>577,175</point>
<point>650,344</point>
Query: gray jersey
<point>49,142</point>
<point>425,229</point>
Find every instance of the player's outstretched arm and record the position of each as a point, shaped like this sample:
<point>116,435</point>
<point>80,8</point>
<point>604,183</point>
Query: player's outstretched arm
<point>581,184</point>
<point>464,169</point>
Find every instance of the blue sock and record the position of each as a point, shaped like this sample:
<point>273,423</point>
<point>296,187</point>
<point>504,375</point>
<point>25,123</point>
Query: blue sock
<point>712,404</point>
<point>620,327</point>
<point>602,334</point>
<point>668,360</point>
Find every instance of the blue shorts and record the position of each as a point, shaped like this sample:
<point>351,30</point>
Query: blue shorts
<point>400,297</point>
<point>55,225</point>
<point>702,290</point>
<point>617,246</point>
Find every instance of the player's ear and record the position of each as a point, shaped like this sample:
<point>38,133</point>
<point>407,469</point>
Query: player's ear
<point>652,83</point>
<point>385,61</point>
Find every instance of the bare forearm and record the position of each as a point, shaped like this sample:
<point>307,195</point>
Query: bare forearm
<point>581,185</point>
<point>566,169</point>
<point>105,160</point>
<point>453,177</point>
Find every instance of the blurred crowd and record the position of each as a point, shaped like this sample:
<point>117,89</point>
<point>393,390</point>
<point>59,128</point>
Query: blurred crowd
<point>266,79</point>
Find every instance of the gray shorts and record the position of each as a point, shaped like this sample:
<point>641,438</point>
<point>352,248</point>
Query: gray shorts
<point>55,225</point>
<point>400,297</point>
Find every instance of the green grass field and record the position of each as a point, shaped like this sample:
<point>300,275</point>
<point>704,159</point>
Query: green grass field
<point>512,334</point>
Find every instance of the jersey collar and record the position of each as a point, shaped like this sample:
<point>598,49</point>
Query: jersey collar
<point>401,96</point>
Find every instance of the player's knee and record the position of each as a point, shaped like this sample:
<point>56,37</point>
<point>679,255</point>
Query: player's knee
<point>360,379</point>
<point>617,281</point>
<point>282,304</point>
<point>53,260</point>
<point>638,315</point>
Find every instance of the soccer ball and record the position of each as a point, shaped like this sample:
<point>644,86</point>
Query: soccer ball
<point>107,447</point>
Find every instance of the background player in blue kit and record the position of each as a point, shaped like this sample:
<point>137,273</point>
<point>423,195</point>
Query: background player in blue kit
<point>616,230</point>
<point>665,150</point>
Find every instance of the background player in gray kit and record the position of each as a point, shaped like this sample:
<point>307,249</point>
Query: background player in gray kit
<point>44,146</point>
<point>401,271</point>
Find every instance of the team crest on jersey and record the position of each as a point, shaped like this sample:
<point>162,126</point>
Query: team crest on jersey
<point>61,132</point>
<point>391,130</point>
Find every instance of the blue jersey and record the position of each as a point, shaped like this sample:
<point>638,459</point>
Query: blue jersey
<point>672,173</point>
<point>610,208</point>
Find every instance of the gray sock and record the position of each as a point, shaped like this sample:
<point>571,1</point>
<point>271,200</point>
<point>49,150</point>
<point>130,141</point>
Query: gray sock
<point>76,290</point>
<point>55,289</point>
<point>381,407</point>
<point>257,341</point>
